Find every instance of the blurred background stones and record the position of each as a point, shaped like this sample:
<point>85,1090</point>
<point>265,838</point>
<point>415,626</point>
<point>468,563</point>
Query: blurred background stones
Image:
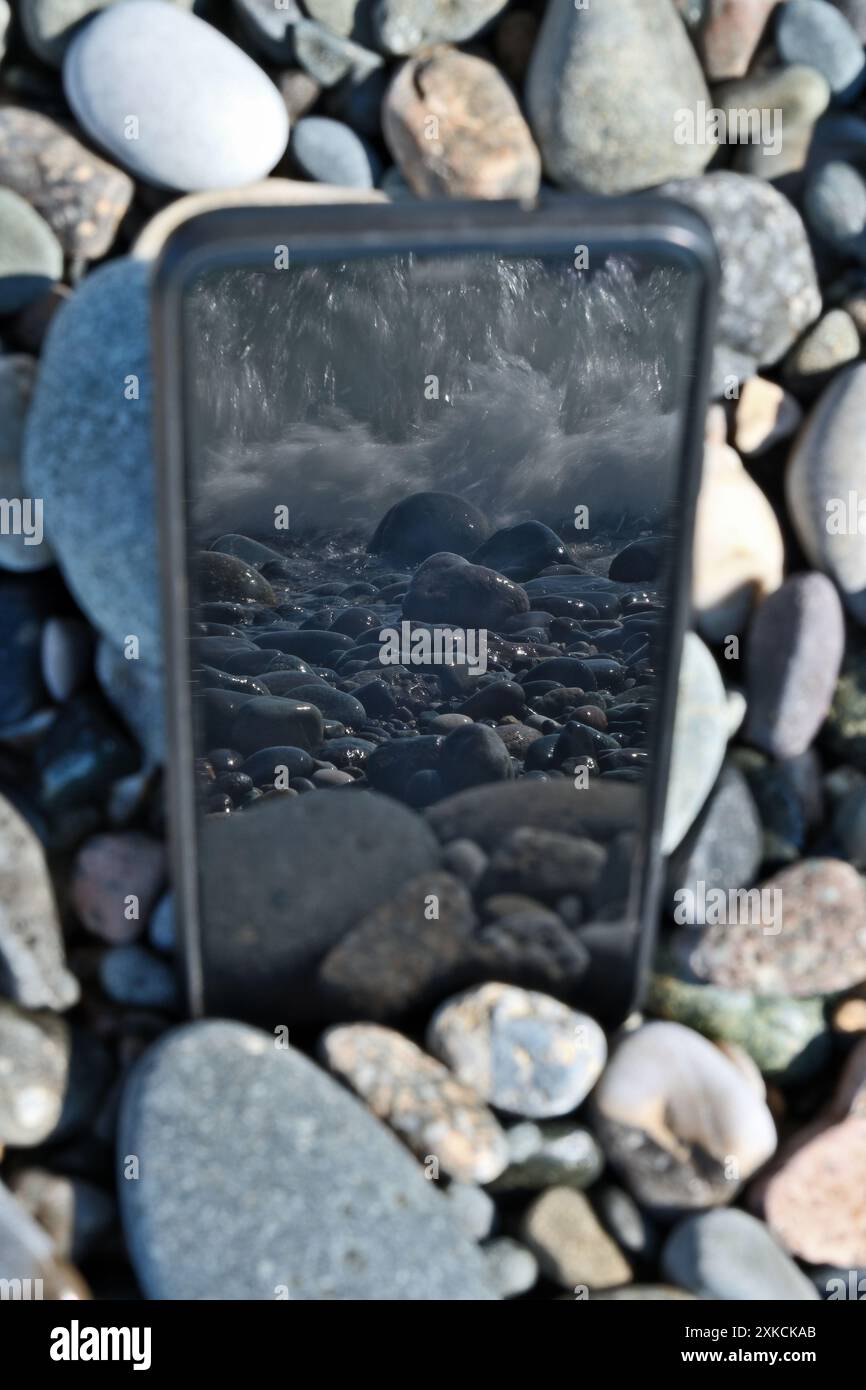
<point>714,1147</point>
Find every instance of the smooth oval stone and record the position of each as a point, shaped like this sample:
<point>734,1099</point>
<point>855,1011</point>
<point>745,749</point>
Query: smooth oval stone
<point>550,590</point>
<point>32,958</point>
<point>207,116</point>
<point>31,258</point>
<point>244,548</point>
<point>723,849</point>
<point>50,25</point>
<point>35,1075</point>
<point>310,645</point>
<point>286,682</point>
<point>701,728</point>
<point>447,589</point>
<point>220,577</point>
<point>334,704</point>
<point>223,680</point>
<point>213,651</point>
<point>603,85</point>
<point>428,523</point>
<point>296,844</point>
<point>472,756</point>
<point>795,646</point>
<point>523,1052</point>
<point>564,670</point>
<point>133,976</point>
<point>494,701</point>
<point>267,720</point>
<point>393,764</point>
<point>521,551</point>
<point>639,560</point>
<point>809,31</point>
<point>212,1216</point>
<point>730,1255</point>
<point>672,1111</point>
<point>330,152</point>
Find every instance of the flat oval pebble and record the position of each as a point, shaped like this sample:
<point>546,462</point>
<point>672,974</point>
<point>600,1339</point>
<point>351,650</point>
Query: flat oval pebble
<point>115,883</point>
<point>172,99</point>
<point>811,31</point>
<point>723,849</point>
<point>806,935</point>
<point>244,1189</point>
<point>572,1247</point>
<point>679,1120</point>
<point>523,1052</point>
<point>730,1255</point>
<point>794,651</point>
<point>331,152</point>
<point>701,729</point>
<point>433,1112</point>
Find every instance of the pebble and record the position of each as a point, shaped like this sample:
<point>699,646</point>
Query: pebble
<point>634,1232</point>
<point>82,198</point>
<point>603,86</point>
<point>31,940</point>
<point>161,927</point>
<point>729,1255</point>
<point>404,26</point>
<point>730,34</point>
<point>437,1116</point>
<point>821,486</point>
<point>327,57</point>
<point>473,756</point>
<point>545,864</point>
<point>569,1242</point>
<point>739,553</point>
<point>558,1153</point>
<point>522,551</point>
<point>769,291</point>
<point>511,1268</point>
<point>723,848</point>
<point>116,882</point>
<point>828,345</point>
<point>473,1209</point>
<point>766,415</point>
<point>480,146</point>
<point>207,116</point>
<point>133,976</point>
<point>834,205</point>
<point>88,453</point>
<point>50,25</point>
<point>212,1216</point>
<point>67,650</point>
<point>524,1052</point>
<point>34,1064</point>
<point>488,814</point>
<point>448,589</point>
<point>678,1120</point>
<point>813,942</point>
<point>428,523</point>
<point>270,27</point>
<point>266,721</point>
<point>31,258</point>
<point>381,845</point>
<point>793,655</point>
<point>787,1038</point>
<point>701,728</point>
<point>331,152</point>
<point>797,96</point>
<point>811,31</point>
<point>18,551</point>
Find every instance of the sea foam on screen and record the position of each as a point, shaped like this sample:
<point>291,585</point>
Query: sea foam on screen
<point>527,386</point>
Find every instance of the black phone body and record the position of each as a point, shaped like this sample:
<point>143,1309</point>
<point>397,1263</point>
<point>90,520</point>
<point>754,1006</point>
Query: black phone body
<point>647,255</point>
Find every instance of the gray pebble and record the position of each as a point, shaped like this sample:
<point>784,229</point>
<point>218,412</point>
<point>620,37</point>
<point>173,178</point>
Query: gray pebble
<point>132,975</point>
<point>31,258</point>
<point>330,152</point>
<point>474,1209</point>
<point>730,1255</point>
<point>511,1268</point>
<point>811,31</point>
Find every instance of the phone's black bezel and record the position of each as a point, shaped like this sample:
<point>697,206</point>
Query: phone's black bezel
<point>248,236</point>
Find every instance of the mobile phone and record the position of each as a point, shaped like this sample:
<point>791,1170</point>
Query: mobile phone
<point>428,475</point>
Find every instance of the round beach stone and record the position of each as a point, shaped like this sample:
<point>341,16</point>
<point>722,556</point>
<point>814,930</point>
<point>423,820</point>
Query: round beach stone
<point>558,1153</point>
<point>67,651</point>
<point>570,1243</point>
<point>679,1120</point>
<point>730,34</point>
<point>769,290</point>
<point>244,1190</point>
<point>31,941</point>
<point>766,414</point>
<point>434,1113</point>
<point>116,882</point>
<point>822,482</point>
<point>524,1052</point>
<point>739,553</point>
<point>813,1204</point>
<point>701,728</point>
<point>796,96</point>
<point>88,453</point>
<point>428,523</point>
<point>331,152</point>
<point>31,257</point>
<point>172,99</point>
<point>793,655</point>
<point>828,345</point>
<point>81,197</point>
<point>33,1075</point>
<point>810,936</point>
<point>454,128</point>
<point>511,1268</point>
<point>604,86</point>
<point>811,31</point>
<point>834,204</point>
<point>448,589</point>
<point>730,1255</point>
<point>723,848</point>
<point>133,976</point>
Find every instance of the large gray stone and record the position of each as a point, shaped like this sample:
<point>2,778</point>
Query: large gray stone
<point>261,1178</point>
<point>288,878</point>
<point>730,1255</point>
<point>605,87</point>
<point>88,453</point>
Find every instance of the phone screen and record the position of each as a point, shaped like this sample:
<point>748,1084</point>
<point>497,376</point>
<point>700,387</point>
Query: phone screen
<point>434,531</point>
